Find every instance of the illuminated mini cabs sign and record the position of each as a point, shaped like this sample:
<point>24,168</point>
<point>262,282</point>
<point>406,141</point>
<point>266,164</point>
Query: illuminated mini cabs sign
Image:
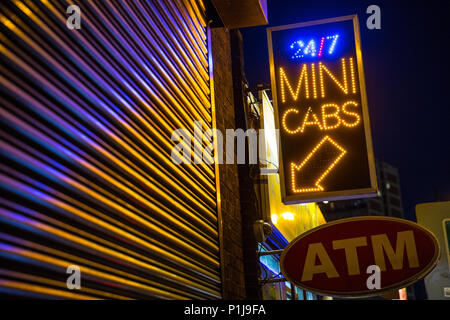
<point>321,111</point>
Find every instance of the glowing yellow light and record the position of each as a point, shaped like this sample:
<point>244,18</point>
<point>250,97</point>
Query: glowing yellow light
<point>313,74</point>
<point>274,218</point>
<point>283,121</point>
<point>295,167</point>
<point>288,216</point>
<point>343,86</point>
<point>309,123</point>
<point>22,7</point>
<point>357,117</point>
<point>303,77</point>
<point>335,115</point>
<point>352,74</point>
<point>8,23</point>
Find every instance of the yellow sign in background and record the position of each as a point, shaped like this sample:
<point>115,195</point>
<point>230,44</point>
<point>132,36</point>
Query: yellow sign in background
<point>291,220</point>
<point>435,216</point>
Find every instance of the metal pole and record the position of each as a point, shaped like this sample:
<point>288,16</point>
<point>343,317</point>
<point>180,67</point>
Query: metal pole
<point>265,253</point>
<point>293,291</point>
<point>276,280</point>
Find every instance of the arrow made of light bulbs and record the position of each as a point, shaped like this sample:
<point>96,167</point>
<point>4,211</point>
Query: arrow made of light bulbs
<point>295,167</point>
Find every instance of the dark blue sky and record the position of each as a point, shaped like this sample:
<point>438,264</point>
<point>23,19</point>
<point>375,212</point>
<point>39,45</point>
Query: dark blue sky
<point>407,69</point>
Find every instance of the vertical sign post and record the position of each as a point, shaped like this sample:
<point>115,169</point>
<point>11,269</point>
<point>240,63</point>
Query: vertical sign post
<point>321,111</point>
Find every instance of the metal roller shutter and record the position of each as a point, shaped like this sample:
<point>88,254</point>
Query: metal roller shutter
<point>86,175</point>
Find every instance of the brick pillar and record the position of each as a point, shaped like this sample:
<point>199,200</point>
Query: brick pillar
<point>247,172</point>
<point>233,283</point>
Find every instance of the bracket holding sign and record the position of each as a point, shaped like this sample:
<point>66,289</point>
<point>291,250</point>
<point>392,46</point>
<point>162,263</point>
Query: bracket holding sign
<point>321,111</point>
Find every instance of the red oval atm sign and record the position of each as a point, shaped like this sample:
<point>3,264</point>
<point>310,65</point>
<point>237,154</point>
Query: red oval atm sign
<point>333,259</point>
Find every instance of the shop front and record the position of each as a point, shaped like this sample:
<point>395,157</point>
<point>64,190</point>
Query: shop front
<point>288,221</point>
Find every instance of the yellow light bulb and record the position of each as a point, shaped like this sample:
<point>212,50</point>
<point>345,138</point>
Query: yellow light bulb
<point>288,216</point>
<point>295,167</point>
<point>274,218</point>
<point>285,82</point>
<point>343,86</point>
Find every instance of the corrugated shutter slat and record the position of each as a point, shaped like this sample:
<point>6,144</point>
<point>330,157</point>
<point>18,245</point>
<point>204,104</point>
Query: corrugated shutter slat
<point>86,175</point>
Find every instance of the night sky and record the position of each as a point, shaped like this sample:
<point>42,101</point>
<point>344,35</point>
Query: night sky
<point>406,66</point>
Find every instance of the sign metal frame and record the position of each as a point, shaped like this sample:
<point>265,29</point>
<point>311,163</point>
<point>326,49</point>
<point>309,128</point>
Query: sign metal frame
<point>372,190</point>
